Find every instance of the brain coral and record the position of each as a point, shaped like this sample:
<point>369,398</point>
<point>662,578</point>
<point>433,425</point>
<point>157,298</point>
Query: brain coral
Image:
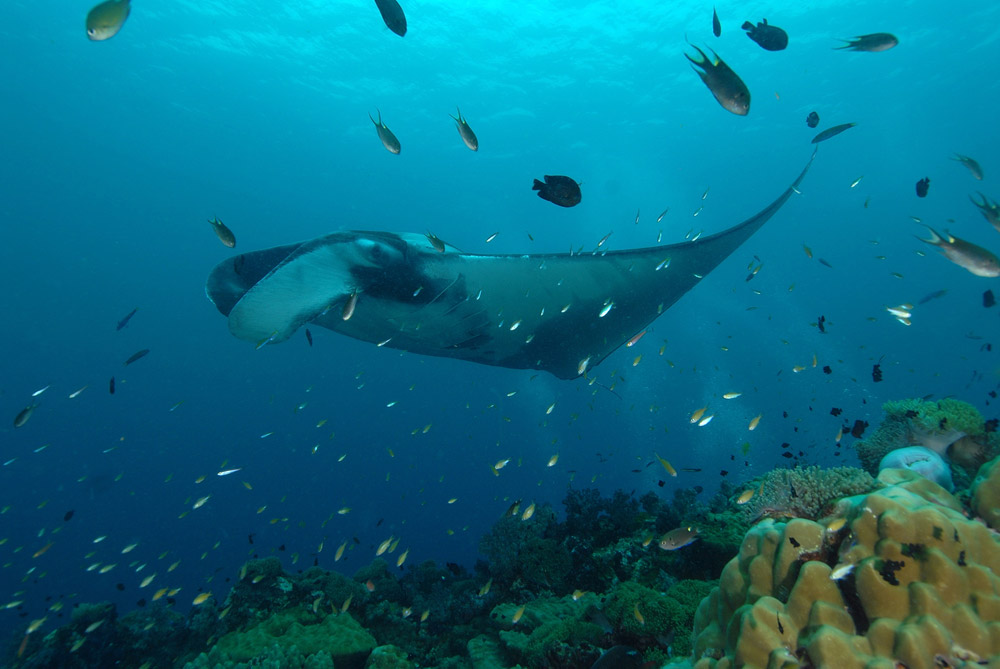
<point>921,587</point>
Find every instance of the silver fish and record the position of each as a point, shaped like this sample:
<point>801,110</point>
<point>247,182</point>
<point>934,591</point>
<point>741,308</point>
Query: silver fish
<point>389,140</point>
<point>872,42</point>
<point>465,131</point>
<point>971,164</point>
<point>989,209</point>
<point>965,254</point>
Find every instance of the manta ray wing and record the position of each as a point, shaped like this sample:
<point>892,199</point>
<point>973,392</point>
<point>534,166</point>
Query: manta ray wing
<point>560,313</point>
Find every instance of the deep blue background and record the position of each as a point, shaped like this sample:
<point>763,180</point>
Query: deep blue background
<point>114,154</point>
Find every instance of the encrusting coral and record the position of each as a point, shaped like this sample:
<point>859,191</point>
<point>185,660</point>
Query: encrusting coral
<point>895,575</point>
<point>986,493</point>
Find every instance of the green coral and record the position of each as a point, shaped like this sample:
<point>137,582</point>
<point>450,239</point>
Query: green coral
<point>486,653</point>
<point>638,611</point>
<point>338,636</point>
<point>549,629</point>
<point>936,416</point>
<point>805,492</point>
<point>689,593</point>
<point>273,657</point>
<point>547,639</point>
<point>388,657</point>
<point>524,558</point>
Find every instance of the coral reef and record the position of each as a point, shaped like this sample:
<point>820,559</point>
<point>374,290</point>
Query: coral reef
<point>986,493</point>
<point>388,657</point>
<point>952,428</point>
<point>550,632</point>
<point>561,594</point>
<point>335,635</point>
<point>898,574</point>
<point>526,557</point>
<point>803,492</point>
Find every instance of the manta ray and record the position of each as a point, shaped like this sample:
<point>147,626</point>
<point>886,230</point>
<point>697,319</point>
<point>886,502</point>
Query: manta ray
<point>558,312</point>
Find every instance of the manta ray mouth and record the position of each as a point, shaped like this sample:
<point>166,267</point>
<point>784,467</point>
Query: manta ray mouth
<point>561,313</point>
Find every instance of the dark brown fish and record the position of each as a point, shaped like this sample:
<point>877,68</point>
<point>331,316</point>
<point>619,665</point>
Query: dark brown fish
<point>933,296</point>
<point>727,87</point>
<point>224,234</point>
<point>136,356</point>
<point>111,386</point>
<point>812,120</point>
<point>923,186</point>
<point>832,132</point>
<point>872,42</point>
<point>560,190</point>
<point>124,322</point>
<point>716,24</point>
<point>393,16</point>
<point>24,415</point>
<point>770,38</point>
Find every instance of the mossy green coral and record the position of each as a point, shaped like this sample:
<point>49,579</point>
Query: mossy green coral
<point>640,611</point>
<point>338,635</point>
<point>948,413</point>
<point>804,492</point>
<point>388,657</point>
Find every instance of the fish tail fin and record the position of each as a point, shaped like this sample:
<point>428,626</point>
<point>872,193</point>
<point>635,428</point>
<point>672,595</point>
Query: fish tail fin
<point>700,62</point>
<point>747,25</point>
<point>538,185</point>
<point>935,240</point>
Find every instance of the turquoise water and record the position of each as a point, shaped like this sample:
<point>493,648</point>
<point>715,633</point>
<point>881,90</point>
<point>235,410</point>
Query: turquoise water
<point>115,153</point>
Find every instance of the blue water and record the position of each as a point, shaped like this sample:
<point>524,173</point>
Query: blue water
<point>115,154</point>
